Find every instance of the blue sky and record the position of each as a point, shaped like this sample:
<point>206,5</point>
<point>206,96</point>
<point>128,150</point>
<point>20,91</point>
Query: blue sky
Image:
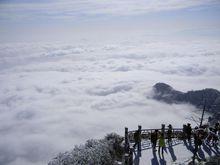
<point>29,20</point>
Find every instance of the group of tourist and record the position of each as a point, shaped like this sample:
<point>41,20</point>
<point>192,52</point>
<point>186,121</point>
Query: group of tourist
<point>203,134</point>
<point>159,136</point>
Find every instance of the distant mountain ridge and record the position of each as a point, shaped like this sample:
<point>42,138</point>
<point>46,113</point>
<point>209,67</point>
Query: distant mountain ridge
<point>208,96</point>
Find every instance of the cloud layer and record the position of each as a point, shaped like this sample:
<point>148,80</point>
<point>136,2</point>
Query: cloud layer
<point>54,96</point>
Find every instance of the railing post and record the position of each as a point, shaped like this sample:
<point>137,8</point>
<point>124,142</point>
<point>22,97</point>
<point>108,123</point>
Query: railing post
<point>126,148</point>
<point>139,138</point>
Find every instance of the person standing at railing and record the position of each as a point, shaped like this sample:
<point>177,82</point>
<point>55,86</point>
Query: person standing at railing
<point>188,132</point>
<point>184,131</point>
<point>197,144</point>
<point>136,138</point>
<point>153,138</point>
<point>161,143</point>
<point>212,137</point>
<point>169,134</point>
<point>216,128</point>
<point>163,128</point>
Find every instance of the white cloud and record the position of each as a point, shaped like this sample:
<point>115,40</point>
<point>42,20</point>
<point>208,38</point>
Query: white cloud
<point>53,96</point>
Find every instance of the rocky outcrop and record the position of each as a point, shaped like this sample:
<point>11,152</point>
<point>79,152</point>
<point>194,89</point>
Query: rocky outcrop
<point>210,97</point>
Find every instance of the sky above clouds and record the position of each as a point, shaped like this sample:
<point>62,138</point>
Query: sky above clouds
<point>71,70</point>
<point>70,20</point>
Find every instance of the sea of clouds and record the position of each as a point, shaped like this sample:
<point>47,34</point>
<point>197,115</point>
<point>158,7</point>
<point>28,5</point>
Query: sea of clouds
<point>57,95</point>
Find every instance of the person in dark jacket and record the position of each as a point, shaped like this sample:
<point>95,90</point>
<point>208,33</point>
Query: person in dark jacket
<point>216,129</point>
<point>199,140</point>
<point>184,131</point>
<point>215,140</point>
<point>197,143</point>
<point>163,128</point>
<point>154,137</point>
<point>136,138</point>
<point>209,136</point>
<point>212,136</point>
<point>169,134</point>
<point>188,132</point>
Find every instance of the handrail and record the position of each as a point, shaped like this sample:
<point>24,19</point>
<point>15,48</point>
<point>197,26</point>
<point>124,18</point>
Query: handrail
<point>152,129</point>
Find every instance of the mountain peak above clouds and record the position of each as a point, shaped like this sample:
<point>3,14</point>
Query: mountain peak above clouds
<point>162,87</point>
<point>166,93</point>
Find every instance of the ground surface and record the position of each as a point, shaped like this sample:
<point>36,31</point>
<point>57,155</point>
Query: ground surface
<point>178,153</point>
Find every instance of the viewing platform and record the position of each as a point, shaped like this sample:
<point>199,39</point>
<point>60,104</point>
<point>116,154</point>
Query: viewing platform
<point>180,151</point>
